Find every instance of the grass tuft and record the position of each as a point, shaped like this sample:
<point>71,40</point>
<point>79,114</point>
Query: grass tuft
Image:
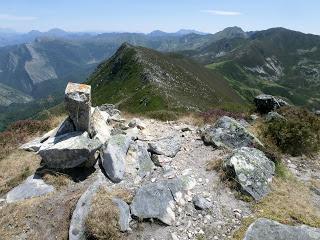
<point>290,202</point>
<point>103,219</point>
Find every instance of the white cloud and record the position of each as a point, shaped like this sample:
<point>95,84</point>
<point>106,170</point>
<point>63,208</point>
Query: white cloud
<point>222,13</point>
<point>9,17</point>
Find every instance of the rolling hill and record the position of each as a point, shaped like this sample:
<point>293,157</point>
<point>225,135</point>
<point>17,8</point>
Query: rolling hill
<point>141,80</point>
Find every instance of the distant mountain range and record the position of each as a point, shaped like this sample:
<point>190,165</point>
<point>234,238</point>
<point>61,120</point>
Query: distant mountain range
<point>10,37</point>
<point>46,64</point>
<point>276,61</point>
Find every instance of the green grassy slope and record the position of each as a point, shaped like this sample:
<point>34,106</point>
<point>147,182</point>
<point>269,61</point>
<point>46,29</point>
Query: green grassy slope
<point>141,80</point>
<point>276,61</point>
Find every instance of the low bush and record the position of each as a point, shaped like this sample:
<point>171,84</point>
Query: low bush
<point>297,134</point>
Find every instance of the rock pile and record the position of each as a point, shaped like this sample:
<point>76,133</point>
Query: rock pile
<point>164,168</point>
<point>249,166</point>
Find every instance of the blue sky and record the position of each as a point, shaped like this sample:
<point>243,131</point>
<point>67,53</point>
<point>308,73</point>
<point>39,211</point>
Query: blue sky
<point>167,15</point>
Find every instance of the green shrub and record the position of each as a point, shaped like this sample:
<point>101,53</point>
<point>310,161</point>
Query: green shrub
<point>297,134</point>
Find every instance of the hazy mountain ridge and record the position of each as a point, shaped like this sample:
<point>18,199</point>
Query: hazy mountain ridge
<point>9,37</point>
<point>25,66</point>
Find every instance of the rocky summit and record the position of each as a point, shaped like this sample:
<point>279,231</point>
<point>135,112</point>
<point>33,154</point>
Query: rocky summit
<point>104,175</point>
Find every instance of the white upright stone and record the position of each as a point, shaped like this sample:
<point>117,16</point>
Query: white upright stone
<point>78,105</point>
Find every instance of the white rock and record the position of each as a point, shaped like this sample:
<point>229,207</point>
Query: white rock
<point>98,127</point>
<point>78,105</point>
<point>33,186</point>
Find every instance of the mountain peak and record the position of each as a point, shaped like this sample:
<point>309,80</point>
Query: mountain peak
<point>181,32</point>
<point>231,32</point>
<point>146,80</point>
<point>57,31</point>
<point>189,31</point>
<point>157,33</point>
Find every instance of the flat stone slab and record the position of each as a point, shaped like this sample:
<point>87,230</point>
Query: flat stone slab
<point>169,146</point>
<point>33,186</point>
<point>35,144</point>
<point>157,200</point>
<point>264,229</point>
<point>252,170</point>
<point>69,151</point>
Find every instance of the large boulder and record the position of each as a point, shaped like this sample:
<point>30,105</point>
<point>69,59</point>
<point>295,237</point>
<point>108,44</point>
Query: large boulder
<point>78,105</point>
<point>266,103</point>
<point>168,146</point>
<point>98,127</point>
<point>228,133</point>
<point>77,230</point>
<point>33,186</point>
<point>154,201</point>
<point>252,170</point>
<point>157,200</point>
<point>265,229</point>
<point>70,150</point>
<point>36,144</point>
<point>113,157</point>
